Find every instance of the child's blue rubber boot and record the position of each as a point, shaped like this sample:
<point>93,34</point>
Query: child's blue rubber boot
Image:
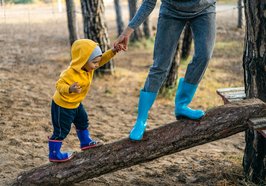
<point>146,99</point>
<point>85,141</point>
<point>54,152</point>
<point>184,95</point>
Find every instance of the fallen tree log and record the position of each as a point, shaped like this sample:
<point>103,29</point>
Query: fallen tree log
<point>219,122</point>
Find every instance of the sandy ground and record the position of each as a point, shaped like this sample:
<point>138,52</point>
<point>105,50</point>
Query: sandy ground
<point>34,50</point>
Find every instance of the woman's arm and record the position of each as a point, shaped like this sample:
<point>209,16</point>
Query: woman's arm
<point>144,11</point>
<point>141,15</point>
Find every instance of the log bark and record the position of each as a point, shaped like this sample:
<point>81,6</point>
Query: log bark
<point>220,122</point>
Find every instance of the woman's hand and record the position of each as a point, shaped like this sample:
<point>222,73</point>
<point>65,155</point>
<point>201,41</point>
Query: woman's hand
<point>75,88</point>
<point>122,41</point>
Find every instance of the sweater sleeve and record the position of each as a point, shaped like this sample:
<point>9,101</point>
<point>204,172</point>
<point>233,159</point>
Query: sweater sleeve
<point>144,11</point>
<point>106,57</point>
<point>62,86</point>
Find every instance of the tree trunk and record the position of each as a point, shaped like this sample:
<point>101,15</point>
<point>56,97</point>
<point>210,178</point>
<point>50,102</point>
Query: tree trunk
<point>240,14</point>
<point>187,42</point>
<point>172,76</point>
<point>220,122</point>
<point>119,21</point>
<point>254,63</point>
<point>95,28</point>
<point>146,28</point>
<point>71,20</point>
<point>137,35</point>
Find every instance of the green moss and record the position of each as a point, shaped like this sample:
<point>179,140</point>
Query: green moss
<point>227,1</point>
<point>19,1</point>
<point>167,93</point>
<point>143,43</point>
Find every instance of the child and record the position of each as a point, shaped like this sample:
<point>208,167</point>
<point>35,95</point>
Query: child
<point>71,89</point>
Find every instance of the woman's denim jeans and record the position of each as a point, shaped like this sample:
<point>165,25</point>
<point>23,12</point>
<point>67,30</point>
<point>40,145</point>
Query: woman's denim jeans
<point>168,32</point>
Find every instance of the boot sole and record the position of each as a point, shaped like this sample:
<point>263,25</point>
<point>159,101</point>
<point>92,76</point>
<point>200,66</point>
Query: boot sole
<point>61,161</point>
<point>135,140</point>
<point>184,117</point>
<point>92,146</point>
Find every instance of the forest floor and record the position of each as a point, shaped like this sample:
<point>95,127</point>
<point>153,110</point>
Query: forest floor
<point>35,49</point>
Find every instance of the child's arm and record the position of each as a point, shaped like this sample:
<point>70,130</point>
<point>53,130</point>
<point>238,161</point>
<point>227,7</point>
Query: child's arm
<point>62,86</point>
<point>107,56</point>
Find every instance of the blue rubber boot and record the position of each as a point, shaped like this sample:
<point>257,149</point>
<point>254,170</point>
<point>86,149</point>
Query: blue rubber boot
<point>85,141</point>
<point>146,100</point>
<point>54,152</point>
<point>184,95</point>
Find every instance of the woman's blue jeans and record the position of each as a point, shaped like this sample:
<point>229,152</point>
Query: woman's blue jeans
<point>168,33</point>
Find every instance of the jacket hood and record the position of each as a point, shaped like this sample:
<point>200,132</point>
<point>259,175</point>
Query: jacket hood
<point>80,53</point>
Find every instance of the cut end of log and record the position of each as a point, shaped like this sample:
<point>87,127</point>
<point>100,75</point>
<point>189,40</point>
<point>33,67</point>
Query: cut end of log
<point>258,124</point>
<point>232,94</point>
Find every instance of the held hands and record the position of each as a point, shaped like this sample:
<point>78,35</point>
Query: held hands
<point>75,88</point>
<point>116,48</point>
<point>122,41</point>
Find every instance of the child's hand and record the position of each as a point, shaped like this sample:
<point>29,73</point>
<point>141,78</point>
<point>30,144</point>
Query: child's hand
<point>117,48</point>
<point>75,88</point>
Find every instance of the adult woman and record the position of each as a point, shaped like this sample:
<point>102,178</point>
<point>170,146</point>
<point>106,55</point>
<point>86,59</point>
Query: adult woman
<point>173,16</point>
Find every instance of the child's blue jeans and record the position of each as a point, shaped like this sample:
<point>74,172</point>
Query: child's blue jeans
<point>169,29</point>
<point>62,118</point>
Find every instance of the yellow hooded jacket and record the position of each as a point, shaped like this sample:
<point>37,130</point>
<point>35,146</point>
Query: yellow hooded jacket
<point>80,51</point>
